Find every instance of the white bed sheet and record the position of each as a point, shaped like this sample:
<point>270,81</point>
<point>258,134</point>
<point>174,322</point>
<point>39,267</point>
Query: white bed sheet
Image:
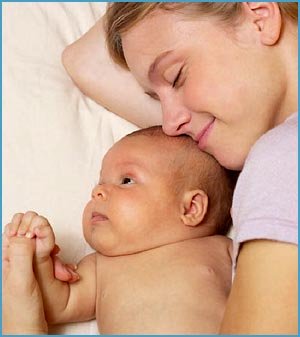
<point>54,137</point>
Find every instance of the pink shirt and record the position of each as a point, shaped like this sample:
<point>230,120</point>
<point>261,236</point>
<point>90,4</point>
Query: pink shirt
<point>265,202</point>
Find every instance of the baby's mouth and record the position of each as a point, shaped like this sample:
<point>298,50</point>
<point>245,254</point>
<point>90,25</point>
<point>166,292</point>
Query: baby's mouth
<point>98,217</point>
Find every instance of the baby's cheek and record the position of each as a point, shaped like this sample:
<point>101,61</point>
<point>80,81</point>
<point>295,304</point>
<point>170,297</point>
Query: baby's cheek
<point>86,212</point>
<point>85,220</point>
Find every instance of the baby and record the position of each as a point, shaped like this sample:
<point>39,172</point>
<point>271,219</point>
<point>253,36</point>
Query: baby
<point>154,220</point>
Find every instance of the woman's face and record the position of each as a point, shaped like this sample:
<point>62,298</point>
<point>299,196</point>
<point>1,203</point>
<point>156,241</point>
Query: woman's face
<point>215,85</point>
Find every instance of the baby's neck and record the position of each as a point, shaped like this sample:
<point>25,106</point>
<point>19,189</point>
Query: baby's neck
<point>156,249</point>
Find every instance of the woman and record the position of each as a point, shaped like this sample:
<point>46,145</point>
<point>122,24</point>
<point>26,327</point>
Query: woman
<point>225,74</point>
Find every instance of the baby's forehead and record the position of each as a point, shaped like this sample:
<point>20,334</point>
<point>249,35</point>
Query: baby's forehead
<point>137,144</point>
<point>140,148</point>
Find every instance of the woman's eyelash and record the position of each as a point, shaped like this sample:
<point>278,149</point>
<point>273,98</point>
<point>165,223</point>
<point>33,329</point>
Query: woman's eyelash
<point>177,78</point>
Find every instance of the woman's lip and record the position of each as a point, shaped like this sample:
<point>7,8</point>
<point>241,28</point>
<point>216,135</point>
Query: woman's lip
<point>203,135</point>
<point>98,217</point>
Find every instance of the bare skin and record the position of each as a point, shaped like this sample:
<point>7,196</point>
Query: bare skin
<point>90,67</point>
<point>179,288</point>
<point>158,266</point>
<point>22,299</point>
<point>275,38</point>
<point>259,262</point>
<point>175,289</point>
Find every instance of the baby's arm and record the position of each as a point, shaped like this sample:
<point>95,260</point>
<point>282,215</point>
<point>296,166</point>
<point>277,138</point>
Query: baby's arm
<point>63,302</point>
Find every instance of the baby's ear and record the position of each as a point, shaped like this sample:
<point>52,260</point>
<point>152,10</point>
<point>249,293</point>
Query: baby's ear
<point>194,207</point>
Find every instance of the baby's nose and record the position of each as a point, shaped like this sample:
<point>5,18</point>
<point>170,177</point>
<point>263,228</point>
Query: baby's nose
<point>99,192</point>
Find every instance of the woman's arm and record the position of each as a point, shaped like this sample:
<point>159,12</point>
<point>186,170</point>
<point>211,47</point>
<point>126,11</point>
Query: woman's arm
<point>264,295</point>
<point>88,63</point>
<point>22,306</point>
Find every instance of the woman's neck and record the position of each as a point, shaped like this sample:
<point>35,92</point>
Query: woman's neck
<point>289,52</point>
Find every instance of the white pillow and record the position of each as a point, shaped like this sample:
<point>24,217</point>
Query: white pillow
<point>54,137</point>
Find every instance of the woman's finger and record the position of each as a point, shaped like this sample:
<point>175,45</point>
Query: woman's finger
<point>26,222</point>
<point>11,228</point>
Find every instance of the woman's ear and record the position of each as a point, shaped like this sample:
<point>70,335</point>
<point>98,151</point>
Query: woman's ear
<point>267,19</point>
<point>194,207</point>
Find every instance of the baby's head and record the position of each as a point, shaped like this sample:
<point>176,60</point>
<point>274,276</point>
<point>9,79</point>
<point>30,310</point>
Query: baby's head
<point>156,190</point>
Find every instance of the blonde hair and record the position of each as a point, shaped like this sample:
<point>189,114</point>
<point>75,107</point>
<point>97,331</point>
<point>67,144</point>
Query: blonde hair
<point>121,16</point>
<point>189,168</point>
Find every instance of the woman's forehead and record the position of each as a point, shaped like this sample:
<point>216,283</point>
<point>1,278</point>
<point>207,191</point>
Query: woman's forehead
<point>158,33</point>
<point>160,28</point>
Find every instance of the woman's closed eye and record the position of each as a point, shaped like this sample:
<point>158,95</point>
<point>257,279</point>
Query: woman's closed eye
<point>177,78</point>
<point>172,75</point>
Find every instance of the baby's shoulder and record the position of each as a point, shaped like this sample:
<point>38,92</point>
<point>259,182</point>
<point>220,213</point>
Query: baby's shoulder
<point>218,239</point>
<point>219,242</point>
<point>208,258</point>
<point>215,249</point>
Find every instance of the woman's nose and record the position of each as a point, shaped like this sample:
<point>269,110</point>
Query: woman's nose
<point>99,192</point>
<point>175,119</point>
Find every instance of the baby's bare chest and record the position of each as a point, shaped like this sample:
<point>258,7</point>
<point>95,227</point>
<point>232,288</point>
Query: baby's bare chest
<point>140,293</point>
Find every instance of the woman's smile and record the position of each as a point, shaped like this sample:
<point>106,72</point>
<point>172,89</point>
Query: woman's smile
<point>204,134</point>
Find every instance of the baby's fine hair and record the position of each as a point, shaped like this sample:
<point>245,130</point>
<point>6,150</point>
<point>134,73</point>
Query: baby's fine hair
<point>121,16</point>
<point>189,168</point>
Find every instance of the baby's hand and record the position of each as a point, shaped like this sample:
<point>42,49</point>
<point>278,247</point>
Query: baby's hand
<point>31,225</point>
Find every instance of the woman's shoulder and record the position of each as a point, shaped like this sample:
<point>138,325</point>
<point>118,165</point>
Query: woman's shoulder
<point>277,147</point>
<point>265,200</point>
<point>270,171</point>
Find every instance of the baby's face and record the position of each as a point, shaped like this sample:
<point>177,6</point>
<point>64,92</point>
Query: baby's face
<point>133,208</point>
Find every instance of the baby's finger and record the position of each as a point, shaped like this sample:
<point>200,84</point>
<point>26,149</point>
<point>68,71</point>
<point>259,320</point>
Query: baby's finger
<point>37,221</point>
<point>72,266</point>
<point>63,272</point>
<point>74,276</point>
<point>11,229</point>
<point>60,271</point>
<point>55,250</point>
<point>40,227</point>
<point>45,240</point>
<point>26,222</point>
<point>42,231</point>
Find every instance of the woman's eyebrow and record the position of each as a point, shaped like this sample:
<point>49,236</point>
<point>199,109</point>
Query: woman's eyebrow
<point>156,62</point>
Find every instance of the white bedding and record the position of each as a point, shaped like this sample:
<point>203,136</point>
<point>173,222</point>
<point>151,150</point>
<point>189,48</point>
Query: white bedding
<point>53,136</point>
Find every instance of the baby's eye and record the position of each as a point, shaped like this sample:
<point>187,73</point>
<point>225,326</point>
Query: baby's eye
<point>127,181</point>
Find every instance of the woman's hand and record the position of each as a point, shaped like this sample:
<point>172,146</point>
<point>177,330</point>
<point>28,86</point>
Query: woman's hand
<point>27,225</point>
<point>23,311</point>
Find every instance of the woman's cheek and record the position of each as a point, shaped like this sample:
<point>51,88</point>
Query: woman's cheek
<point>193,96</point>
